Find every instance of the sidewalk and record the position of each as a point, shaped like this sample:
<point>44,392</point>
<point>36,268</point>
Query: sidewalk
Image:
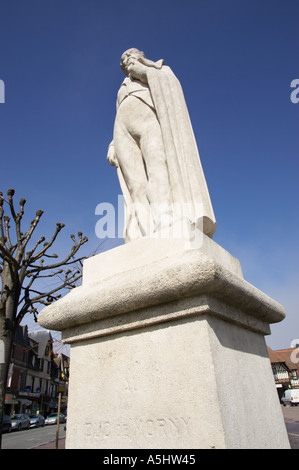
<point>52,445</point>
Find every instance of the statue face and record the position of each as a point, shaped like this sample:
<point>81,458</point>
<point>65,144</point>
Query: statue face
<point>129,55</point>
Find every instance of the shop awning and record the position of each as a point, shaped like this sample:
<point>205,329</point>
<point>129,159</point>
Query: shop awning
<point>23,401</point>
<point>10,401</point>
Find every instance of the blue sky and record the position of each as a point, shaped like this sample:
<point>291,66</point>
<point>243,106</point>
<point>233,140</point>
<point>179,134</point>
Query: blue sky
<point>235,60</point>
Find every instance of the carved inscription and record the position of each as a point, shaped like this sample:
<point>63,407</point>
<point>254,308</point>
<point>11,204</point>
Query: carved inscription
<point>136,427</point>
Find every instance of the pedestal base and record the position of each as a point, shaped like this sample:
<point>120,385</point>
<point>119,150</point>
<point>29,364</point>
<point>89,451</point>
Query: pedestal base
<point>169,352</point>
<point>190,384</point>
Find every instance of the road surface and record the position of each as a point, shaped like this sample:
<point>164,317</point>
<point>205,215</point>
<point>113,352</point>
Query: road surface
<point>28,439</point>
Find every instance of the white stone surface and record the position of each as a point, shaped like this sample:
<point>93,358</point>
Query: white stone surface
<point>168,351</point>
<point>197,384</point>
<point>126,283</point>
<point>155,151</point>
<point>145,251</point>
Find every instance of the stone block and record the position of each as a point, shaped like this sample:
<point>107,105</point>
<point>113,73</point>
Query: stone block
<point>168,351</point>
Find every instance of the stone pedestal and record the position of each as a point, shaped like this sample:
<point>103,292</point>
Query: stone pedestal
<point>168,351</point>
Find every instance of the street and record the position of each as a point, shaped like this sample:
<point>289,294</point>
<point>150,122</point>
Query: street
<point>291,418</point>
<point>28,439</point>
<point>32,438</point>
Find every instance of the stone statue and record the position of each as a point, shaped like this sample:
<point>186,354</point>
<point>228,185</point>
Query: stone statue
<point>155,152</point>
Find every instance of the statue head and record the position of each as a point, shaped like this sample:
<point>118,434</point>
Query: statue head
<point>129,54</point>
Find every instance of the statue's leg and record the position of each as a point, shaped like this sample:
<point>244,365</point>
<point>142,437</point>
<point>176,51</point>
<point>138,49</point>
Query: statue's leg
<point>158,186</point>
<point>130,161</point>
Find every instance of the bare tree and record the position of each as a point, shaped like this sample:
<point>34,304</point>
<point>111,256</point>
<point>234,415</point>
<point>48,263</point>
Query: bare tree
<point>20,268</point>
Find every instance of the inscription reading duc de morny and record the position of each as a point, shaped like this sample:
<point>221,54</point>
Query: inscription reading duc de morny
<point>137,427</point>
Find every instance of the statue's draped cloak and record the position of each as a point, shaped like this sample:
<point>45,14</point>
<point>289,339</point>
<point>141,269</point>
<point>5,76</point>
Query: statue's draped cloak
<point>186,177</point>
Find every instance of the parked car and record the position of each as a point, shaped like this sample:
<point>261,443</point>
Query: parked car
<point>290,397</point>
<point>52,418</point>
<point>36,420</point>
<point>6,424</point>
<point>20,421</point>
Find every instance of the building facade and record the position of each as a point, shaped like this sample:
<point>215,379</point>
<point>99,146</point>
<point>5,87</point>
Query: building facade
<point>36,374</point>
<point>285,368</point>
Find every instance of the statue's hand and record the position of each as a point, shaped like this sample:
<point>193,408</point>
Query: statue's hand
<point>137,70</point>
<point>111,155</point>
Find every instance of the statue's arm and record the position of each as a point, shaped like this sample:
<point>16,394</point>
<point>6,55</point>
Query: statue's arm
<point>111,155</point>
<point>137,70</point>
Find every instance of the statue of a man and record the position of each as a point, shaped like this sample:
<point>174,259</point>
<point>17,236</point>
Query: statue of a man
<point>155,151</point>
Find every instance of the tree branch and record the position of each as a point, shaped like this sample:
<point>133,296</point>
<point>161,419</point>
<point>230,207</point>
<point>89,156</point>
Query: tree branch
<point>47,245</point>
<point>65,261</point>
<point>24,240</point>
<point>1,218</point>
<point>6,254</point>
<point>10,194</point>
<point>46,298</point>
<point>14,268</point>
<point>7,227</point>
<point>18,222</point>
